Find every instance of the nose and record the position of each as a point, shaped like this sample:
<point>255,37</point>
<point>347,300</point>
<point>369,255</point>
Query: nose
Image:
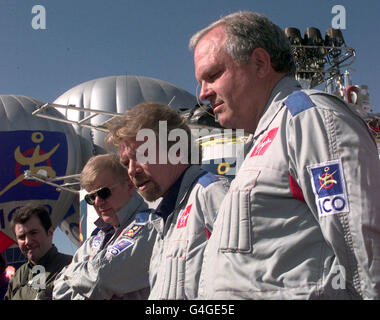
<point>27,240</point>
<point>131,168</point>
<point>134,168</point>
<point>206,91</point>
<point>129,162</point>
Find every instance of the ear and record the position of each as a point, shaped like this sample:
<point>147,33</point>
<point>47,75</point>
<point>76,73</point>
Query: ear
<point>261,59</point>
<point>50,232</point>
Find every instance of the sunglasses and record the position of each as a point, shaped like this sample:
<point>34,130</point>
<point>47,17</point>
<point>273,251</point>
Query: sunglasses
<point>103,193</point>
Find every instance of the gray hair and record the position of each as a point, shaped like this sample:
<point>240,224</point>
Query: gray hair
<point>247,31</point>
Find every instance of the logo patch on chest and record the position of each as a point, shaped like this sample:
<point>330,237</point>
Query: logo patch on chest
<point>264,143</point>
<point>120,246</point>
<point>97,241</point>
<point>182,222</point>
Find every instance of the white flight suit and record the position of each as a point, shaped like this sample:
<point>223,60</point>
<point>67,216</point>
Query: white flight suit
<point>178,251</point>
<point>113,268</point>
<point>301,219</point>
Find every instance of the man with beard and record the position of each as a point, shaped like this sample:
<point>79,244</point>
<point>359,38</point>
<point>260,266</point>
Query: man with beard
<point>34,280</point>
<point>191,196</point>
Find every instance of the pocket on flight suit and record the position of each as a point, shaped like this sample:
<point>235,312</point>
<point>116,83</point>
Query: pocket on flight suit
<point>174,286</point>
<point>236,231</point>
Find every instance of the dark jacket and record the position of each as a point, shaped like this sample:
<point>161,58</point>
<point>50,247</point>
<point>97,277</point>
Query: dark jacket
<point>35,282</point>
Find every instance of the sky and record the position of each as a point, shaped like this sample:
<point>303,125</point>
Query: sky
<point>87,39</point>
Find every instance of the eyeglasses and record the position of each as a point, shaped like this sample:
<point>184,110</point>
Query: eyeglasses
<point>103,193</point>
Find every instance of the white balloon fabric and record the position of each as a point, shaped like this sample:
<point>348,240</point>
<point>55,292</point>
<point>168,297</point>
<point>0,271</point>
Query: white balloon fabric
<point>117,94</point>
<point>46,147</point>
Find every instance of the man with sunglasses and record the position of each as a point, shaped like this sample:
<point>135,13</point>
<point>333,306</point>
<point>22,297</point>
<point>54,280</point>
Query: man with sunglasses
<point>190,195</point>
<point>112,263</point>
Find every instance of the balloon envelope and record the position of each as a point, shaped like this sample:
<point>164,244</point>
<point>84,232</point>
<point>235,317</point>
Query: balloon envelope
<point>117,94</point>
<point>42,146</point>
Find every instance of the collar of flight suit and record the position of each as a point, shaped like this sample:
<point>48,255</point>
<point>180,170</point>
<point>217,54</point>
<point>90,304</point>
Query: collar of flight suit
<point>167,204</point>
<point>281,90</point>
<point>104,226</point>
<point>179,190</point>
<point>128,212</point>
<point>190,177</point>
<point>125,215</point>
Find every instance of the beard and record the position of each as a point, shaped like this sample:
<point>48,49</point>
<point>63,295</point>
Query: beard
<point>152,192</point>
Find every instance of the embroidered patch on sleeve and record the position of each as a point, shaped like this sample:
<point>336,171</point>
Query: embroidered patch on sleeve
<point>329,187</point>
<point>120,246</point>
<point>182,222</point>
<point>132,231</point>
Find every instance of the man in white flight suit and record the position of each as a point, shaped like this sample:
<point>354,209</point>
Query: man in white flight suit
<point>190,196</point>
<point>301,219</point>
<point>114,262</point>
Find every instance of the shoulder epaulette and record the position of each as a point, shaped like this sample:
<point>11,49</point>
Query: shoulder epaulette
<point>297,102</point>
<point>207,179</point>
<point>142,216</point>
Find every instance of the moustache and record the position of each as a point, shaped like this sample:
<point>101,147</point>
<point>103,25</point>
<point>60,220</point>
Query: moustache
<point>139,181</point>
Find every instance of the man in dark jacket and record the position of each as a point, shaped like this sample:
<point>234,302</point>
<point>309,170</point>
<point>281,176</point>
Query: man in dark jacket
<point>34,235</point>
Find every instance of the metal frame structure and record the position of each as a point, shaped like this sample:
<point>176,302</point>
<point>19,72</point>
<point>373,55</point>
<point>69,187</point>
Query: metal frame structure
<point>72,186</point>
<point>311,62</point>
<point>39,112</point>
